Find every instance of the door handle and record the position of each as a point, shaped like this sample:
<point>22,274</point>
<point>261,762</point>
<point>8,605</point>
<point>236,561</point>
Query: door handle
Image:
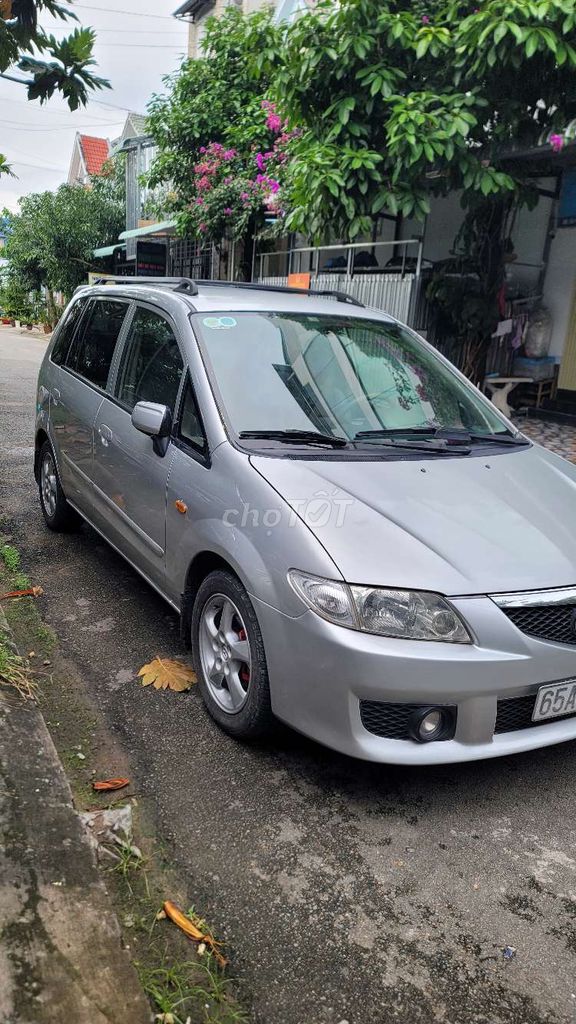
<point>105,434</point>
<point>55,396</point>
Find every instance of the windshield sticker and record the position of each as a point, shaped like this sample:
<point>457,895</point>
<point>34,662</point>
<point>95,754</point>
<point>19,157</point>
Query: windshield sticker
<point>219,323</point>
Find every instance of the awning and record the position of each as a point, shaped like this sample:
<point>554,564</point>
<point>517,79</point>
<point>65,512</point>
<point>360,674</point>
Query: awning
<point>108,250</point>
<point>151,229</point>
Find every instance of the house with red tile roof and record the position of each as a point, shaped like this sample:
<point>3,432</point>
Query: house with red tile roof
<point>89,156</point>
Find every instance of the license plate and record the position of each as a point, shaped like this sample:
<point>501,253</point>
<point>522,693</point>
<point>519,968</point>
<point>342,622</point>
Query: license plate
<point>556,700</point>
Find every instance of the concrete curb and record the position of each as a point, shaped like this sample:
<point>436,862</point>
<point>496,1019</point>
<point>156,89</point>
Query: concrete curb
<point>61,954</point>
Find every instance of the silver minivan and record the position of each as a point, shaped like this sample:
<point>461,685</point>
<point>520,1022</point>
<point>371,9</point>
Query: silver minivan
<point>357,542</point>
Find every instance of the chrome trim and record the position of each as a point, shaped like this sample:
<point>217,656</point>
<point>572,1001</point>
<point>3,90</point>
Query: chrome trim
<point>535,598</point>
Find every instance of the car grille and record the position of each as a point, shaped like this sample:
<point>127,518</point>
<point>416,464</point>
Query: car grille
<point>555,622</point>
<point>516,713</point>
<point>390,721</point>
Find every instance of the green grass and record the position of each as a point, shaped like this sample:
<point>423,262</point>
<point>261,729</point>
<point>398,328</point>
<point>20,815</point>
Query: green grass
<point>129,860</point>
<point>15,672</point>
<point>189,989</point>
<point>10,557</point>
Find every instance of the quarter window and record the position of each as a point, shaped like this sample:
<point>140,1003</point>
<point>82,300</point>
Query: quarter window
<point>67,330</point>
<point>190,430</point>
<point>151,366</point>
<point>92,351</point>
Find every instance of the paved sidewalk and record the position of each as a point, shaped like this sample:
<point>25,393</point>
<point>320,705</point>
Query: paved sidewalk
<point>559,437</point>
<point>61,957</point>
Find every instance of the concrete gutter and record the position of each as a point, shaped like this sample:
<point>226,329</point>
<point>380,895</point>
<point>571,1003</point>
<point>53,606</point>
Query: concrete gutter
<point>61,954</point>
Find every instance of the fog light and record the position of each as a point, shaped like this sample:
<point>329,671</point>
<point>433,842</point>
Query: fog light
<point>429,724</point>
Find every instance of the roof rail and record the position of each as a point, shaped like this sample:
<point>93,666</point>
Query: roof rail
<point>179,284</point>
<point>339,296</point>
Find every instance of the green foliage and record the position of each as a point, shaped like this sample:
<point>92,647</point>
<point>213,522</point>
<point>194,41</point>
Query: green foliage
<point>11,557</point>
<point>49,64</point>
<point>5,167</point>
<point>15,301</point>
<point>215,99</point>
<point>54,234</point>
<point>67,68</point>
<point>398,101</point>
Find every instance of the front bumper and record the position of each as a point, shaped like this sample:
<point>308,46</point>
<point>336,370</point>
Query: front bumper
<point>319,673</point>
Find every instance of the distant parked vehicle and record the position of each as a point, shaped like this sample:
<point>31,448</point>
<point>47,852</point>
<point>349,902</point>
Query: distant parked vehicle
<point>356,540</point>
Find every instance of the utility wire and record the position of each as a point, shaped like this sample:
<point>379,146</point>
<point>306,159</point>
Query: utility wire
<point>132,14</point>
<point>59,128</point>
<point>115,31</point>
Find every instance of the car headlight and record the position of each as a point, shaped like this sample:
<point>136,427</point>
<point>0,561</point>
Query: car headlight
<point>404,614</point>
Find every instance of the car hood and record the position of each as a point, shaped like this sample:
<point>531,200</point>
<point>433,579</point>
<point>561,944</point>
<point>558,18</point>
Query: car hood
<point>465,525</point>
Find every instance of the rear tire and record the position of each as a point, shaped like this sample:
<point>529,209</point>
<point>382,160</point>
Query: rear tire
<point>228,653</point>
<point>58,514</point>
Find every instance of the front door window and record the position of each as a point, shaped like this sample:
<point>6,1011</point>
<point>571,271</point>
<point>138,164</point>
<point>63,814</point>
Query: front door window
<point>151,366</point>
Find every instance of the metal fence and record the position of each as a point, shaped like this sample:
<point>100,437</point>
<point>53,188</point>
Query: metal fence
<point>392,293</point>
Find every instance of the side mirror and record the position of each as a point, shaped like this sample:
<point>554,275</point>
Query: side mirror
<point>155,421</point>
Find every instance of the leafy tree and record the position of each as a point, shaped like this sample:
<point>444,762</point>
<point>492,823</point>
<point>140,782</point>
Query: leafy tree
<point>52,237</point>
<point>221,143</point>
<point>400,100</point>
<point>49,64</point>
<point>15,300</point>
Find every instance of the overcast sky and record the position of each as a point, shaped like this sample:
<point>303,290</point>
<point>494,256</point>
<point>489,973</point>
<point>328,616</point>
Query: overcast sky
<point>138,43</point>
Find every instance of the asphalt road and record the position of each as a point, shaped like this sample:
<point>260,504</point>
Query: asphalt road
<point>348,892</point>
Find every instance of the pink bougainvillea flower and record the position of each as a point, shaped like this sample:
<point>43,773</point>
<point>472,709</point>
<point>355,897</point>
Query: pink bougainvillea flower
<point>260,161</point>
<point>273,185</point>
<point>557,142</point>
<point>425,19</point>
<point>228,211</point>
<point>229,154</point>
<point>274,122</point>
<point>199,202</point>
<point>202,227</point>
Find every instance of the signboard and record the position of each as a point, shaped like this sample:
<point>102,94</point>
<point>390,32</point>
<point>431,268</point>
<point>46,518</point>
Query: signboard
<point>299,280</point>
<point>151,259</point>
<point>567,207</point>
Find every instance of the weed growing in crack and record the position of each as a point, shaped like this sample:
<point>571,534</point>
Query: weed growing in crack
<point>188,988</point>
<point>15,672</point>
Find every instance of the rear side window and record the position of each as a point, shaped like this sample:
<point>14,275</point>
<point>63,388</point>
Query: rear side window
<point>93,348</point>
<point>151,366</point>
<point>67,330</point>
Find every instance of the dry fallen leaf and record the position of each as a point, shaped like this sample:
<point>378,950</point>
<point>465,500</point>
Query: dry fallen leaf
<point>190,929</point>
<point>109,785</point>
<point>167,674</point>
<point>32,592</point>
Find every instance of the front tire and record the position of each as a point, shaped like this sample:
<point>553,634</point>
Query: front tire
<point>229,657</point>
<point>58,514</point>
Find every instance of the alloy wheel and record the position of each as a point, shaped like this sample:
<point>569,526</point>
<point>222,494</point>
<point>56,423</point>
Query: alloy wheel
<point>49,485</point>
<point>225,653</point>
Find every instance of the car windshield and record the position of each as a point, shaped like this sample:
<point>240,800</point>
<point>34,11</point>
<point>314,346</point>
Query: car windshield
<point>338,375</point>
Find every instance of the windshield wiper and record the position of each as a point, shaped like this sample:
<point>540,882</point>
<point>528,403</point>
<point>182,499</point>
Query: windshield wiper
<point>513,439</point>
<point>393,439</point>
<point>396,432</point>
<point>452,436</point>
<point>296,436</point>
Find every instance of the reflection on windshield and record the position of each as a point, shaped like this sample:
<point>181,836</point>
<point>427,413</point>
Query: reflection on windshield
<point>337,375</point>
